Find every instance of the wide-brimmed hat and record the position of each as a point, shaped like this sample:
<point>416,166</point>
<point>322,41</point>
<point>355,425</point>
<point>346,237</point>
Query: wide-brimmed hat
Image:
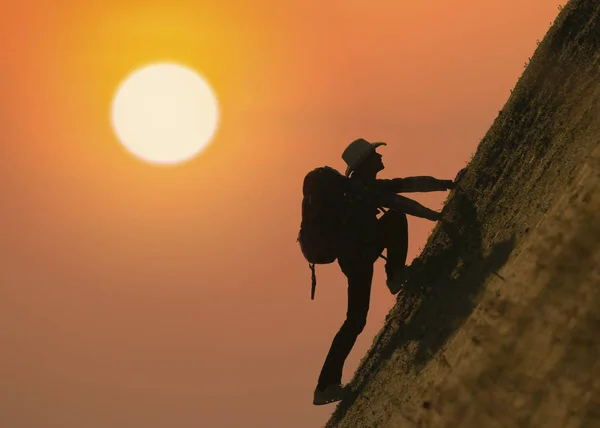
<point>357,152</point>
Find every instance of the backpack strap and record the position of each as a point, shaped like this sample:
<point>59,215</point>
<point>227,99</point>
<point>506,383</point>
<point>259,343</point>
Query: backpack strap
<point>314,281</point>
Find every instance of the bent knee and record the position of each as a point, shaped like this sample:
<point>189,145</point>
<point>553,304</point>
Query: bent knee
<point>395,216</point>
<point>394,220</point>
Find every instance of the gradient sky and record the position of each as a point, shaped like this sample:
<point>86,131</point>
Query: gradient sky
<point>138,296</point>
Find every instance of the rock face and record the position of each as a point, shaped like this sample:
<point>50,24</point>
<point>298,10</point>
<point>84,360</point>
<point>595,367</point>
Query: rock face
<point>500,323</point>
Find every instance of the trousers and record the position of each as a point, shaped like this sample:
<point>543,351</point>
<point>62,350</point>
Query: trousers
<point>391,234</point>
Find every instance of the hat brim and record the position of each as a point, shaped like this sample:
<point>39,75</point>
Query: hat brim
<point>374,146</point>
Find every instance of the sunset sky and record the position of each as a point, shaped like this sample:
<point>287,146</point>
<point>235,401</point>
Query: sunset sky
<point>140,296</point>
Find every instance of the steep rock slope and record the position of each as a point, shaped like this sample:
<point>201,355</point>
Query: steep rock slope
<point>500,323</point>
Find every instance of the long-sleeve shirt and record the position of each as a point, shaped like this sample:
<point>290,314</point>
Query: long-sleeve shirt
<point>365,199</point>
<point>412,184</point>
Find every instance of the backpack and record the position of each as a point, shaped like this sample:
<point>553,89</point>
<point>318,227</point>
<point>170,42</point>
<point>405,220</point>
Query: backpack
<point>323,211</point>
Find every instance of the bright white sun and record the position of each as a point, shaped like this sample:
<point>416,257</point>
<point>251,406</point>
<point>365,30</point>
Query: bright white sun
<point>165,113</point>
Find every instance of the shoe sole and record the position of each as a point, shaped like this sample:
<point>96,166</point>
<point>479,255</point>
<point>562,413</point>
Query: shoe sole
<point>322,403</point>
<point>397,291</point>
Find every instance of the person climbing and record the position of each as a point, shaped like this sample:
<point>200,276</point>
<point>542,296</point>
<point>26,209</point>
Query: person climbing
<point>362,238</point>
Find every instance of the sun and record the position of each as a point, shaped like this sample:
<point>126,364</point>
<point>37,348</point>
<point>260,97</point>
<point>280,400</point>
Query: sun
<point>165,113</point>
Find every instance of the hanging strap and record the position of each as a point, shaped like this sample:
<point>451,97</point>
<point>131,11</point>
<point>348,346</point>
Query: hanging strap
<point>314,281</point>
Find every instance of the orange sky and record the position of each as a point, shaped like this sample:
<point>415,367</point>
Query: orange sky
<point>137,296</point>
